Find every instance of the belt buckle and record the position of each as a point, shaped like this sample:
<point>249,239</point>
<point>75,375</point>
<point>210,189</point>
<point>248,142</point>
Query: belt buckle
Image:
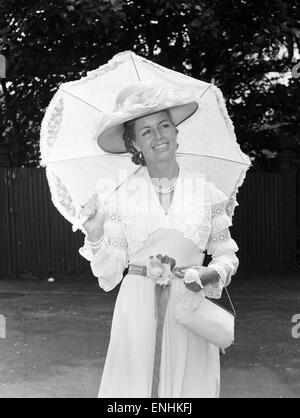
<point>139,270</point>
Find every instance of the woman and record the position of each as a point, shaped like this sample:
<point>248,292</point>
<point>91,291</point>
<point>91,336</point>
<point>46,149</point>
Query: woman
<point>166,214</point>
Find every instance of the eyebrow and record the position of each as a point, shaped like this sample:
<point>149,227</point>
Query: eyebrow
<point>147,127</point>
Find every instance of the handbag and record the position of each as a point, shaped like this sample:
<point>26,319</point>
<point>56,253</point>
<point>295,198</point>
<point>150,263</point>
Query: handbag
<point>209,320</point>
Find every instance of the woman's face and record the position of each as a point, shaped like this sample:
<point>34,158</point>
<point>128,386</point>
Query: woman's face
<point>155,136</point>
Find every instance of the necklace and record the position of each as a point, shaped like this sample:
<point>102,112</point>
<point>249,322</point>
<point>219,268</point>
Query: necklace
<point>164,190</point>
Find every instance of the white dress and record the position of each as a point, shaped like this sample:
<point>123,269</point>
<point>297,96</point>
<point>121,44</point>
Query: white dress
<point>190,366</point>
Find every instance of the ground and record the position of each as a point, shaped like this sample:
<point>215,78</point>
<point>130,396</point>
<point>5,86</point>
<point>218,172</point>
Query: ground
<point>57,336</point>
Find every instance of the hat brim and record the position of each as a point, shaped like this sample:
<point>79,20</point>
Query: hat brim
<point>111,140</point>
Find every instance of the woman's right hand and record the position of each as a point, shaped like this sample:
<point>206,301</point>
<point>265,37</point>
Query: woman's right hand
<point>96,217</point>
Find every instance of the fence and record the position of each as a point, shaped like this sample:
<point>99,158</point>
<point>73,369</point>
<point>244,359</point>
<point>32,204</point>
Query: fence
<point>36,239</point>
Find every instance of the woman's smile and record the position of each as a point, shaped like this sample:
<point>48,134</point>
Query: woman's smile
<point>161,147</point>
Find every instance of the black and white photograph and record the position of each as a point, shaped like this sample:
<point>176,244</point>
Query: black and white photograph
<point>149,201</point>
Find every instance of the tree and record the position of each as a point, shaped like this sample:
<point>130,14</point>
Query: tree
<point>235,43</point>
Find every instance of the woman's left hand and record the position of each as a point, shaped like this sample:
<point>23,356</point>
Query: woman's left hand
<point>180,273</point>
<point>208,275</point>
<point>194,286</point>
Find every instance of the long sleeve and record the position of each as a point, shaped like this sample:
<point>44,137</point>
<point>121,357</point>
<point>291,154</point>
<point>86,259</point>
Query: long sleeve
<point>110,261</point>
<point>221,247</point>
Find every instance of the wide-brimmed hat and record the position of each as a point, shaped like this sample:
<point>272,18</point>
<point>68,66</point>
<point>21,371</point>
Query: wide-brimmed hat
<point>138,100</point>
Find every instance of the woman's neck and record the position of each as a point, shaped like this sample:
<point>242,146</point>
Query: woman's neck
<point>165,169</point>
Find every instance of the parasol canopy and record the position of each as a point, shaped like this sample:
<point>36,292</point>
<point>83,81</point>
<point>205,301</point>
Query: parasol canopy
<point>79,113</point>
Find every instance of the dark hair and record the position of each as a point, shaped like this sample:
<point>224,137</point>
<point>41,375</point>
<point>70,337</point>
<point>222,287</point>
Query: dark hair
<point>129,139</point>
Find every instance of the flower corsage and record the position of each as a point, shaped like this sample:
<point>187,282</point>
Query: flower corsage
<point>160,269</point>
<point>192,275</point>
<point>191,300</point>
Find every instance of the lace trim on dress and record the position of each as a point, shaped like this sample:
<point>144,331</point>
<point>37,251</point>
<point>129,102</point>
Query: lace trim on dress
<point>107,262</point>
<point>220,222</point>
<point>221,246</point>
<point>221,236</point>
<point>196,228</point>
<point>209,214</point>
<point>113,237</point>
<point>138,228</point>
<point>117,242</point>
<point>195,225</point>
<point>137,234</point>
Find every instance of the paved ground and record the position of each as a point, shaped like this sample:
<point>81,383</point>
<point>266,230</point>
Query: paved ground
<point>57,336</point>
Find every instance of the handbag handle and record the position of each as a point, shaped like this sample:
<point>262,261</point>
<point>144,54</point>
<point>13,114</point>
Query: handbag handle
<point>229,298</point>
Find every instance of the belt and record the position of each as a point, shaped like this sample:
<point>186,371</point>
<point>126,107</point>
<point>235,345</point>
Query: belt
<point>161,302</point>
<point>137,270</point>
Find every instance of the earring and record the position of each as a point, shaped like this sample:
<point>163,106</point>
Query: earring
<point>140,154</point>
<point>177,145</point>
